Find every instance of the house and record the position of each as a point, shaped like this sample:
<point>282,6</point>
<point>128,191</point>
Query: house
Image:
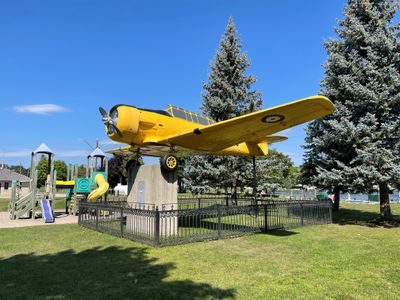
<point>6,178</point>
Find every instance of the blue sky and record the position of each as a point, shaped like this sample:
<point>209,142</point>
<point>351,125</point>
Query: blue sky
<point>79,55</point>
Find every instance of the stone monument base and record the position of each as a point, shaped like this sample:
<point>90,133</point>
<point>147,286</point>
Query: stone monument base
<point>150,188</point>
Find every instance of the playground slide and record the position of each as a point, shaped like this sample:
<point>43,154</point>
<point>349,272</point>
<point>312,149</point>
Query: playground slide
<point>101,190</point>
<point>47,214</point>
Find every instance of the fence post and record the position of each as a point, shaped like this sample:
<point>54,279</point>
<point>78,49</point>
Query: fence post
<point>157,228</point>
<point>330,212</point>
<point>122,221</point>
<point>97,218</point>
<point>79,215</point>
<point>266,217</point>
<point>219,221</point>
<point>302,214</point>
<point>198,201</point>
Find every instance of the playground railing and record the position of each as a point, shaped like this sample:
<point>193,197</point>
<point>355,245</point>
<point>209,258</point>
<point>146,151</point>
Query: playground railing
<point>176,226</point>
<point>20,206</point>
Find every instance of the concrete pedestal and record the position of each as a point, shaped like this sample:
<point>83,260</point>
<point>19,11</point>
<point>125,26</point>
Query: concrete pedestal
<point>151,187</point>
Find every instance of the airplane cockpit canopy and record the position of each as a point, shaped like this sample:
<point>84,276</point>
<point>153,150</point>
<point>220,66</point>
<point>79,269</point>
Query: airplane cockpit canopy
<point>181,113</point>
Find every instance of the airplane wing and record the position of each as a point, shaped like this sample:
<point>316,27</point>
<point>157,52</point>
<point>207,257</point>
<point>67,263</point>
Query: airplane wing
<point>252,127</point>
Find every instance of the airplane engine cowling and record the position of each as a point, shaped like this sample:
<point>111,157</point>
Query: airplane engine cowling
<point>127,121</point>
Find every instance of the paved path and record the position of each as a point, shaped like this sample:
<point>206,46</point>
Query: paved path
<point>61,218</point>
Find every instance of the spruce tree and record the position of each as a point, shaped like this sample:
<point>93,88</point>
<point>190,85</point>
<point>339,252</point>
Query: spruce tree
<point>226,95</point>
<point>42,168</point>
<point>357,147</point>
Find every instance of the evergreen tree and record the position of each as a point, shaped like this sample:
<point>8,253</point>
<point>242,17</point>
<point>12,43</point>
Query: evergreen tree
<point>42,171</point>
<point>357,146</point>
<point>226,95</point>
<point>275,171</point>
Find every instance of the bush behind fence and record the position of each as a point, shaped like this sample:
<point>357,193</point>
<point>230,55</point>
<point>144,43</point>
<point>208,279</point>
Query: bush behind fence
<point>172,226</point>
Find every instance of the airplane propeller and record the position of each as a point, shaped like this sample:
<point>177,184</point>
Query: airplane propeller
<point>108,121</point>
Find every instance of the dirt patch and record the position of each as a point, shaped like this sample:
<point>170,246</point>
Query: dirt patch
<point>60,218</point>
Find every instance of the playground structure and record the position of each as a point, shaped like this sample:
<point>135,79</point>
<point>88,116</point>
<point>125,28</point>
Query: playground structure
<point>89,188</point>
<point>27,205</point>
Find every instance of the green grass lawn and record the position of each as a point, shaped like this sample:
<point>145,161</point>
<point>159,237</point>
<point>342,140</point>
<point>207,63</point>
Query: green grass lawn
<point>337,261</point>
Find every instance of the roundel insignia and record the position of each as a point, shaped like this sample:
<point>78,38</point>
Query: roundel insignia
<point>272,119</point>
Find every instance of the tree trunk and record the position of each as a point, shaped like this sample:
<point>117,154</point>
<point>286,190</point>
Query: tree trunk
<point>385,211</point>
<point>336,201</point>
<point>234,192</point>
<point>180,185</point>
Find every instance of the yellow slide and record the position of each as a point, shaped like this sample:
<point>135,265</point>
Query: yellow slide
<point>101,190</point>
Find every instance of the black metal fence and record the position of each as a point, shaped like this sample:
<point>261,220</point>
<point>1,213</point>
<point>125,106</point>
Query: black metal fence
<point>174,225</point>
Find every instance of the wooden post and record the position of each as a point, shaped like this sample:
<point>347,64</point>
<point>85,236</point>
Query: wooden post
<point>87,167</point>
<point>75,200</point>
<point>53,190</point>
<point>13,199</point>
<point>33,196</point>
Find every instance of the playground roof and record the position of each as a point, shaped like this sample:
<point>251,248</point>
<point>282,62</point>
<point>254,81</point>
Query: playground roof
<point>97,153</point>
<point>43,149</point>
<point>9,175</point>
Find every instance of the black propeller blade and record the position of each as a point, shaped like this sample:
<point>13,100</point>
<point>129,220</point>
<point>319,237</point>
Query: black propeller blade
<point>108,121</point>
<point>117,130</point>
<point>103,112</point>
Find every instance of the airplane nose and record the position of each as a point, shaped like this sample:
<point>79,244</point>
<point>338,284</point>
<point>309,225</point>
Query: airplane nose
<point>110,120</point>
<point>125,120</point>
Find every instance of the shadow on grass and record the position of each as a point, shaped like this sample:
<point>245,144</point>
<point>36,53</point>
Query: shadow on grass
<point>346,216</point>
<point>111,273</point>
<point>280,232</point>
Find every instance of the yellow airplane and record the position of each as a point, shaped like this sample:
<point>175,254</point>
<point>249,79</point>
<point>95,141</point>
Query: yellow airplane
<point>176,132</point>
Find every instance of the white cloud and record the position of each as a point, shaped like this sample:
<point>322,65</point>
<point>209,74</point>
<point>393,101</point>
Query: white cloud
<point>58,153</point>
<point>40,109</point>
<point>18,153</point>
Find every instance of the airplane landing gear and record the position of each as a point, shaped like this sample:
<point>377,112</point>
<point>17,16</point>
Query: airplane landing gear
<point>169,162</point>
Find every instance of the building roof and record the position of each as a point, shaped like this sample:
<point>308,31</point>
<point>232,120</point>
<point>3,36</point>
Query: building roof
<point>9,175</point>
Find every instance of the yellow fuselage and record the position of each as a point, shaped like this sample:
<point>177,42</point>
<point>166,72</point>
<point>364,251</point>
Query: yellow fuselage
<point>144,128</point>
